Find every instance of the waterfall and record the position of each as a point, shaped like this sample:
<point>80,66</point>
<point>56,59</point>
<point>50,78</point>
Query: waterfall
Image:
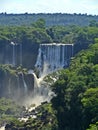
<point>36,82</point>
<point>20,54</point>
<point>9,86</point>
<point>41,91</point>
<point>16,54</point>
<point>53,57</point>
<point>18,88</point>
<point>13,54</point>
<point>36,85</point>
<point>24,84</point>
<point>2,128</point>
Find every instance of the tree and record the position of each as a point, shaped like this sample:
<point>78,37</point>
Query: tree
<point>93,23</point>
<point>40,23</point>
<point>90,103</point>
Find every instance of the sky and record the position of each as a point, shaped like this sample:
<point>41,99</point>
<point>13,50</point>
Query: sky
<point>49,6</point>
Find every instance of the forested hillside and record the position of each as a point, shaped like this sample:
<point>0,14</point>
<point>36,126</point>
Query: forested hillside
<point>75,104</point>
<point>38,33</point>
<point>51,19</point>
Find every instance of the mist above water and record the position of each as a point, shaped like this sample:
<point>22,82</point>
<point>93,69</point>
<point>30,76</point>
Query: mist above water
<point>21,87</point>
<point>2,128</point>
<point>51,57</point>
<point>41,92</point>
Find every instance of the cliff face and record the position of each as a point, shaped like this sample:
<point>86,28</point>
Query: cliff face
<point>18,54</point>
<point>15,83</point>
<point>18,61</point>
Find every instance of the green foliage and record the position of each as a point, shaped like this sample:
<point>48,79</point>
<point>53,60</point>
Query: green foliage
<point>10,70</point>
<point>51,19</point>
<point>93,23</point>
<point>9,110</point>
<point>90,103</point>
<point>76,102</point>
<point>93,126</point>
<point>81,37</point>
<point>40,23</point>
<point>45,119</point>
<point>24,34</point>
<point>8,107</point>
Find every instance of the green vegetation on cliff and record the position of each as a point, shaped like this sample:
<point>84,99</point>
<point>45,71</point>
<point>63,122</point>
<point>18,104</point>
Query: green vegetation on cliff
<point>75,104</point>
<point>37,32</point>
<point>76,100</point>
<point>9,110</point>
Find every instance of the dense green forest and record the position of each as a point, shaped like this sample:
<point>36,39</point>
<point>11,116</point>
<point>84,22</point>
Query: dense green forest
<point>75,104</point>
<point>51,19</point>
<point>76,101</point>
<point>9,110</point>
<point>37,32</point>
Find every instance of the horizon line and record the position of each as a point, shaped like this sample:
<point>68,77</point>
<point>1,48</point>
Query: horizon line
<point>49,13</point>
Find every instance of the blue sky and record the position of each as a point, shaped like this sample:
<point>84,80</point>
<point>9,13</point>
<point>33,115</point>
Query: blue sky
<point>49,6</point>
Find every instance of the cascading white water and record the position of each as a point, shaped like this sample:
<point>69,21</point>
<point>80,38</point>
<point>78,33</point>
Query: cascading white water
<point>9,87</point>
<point>41,92</point>
<point>2,128</point>
<point>13,54</point>
<point>24,84</point>
<point>18,89</point>
<point>20,54</point>
<point>16,52</point>
<point>53,56</point>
